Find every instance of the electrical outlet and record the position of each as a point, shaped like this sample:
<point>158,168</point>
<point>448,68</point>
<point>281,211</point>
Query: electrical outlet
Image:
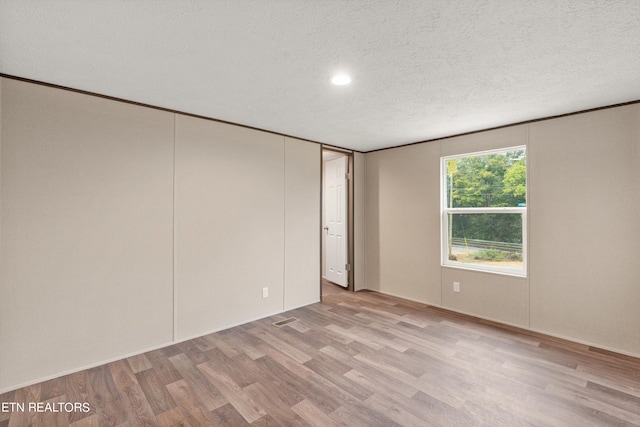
<point>456,286</point>
<point>265,292</point>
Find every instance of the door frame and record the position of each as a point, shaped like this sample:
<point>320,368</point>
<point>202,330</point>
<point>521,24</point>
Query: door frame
<point>350,214</point>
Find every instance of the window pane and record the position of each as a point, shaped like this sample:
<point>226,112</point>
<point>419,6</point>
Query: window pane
<point>493,239</point>
<point>487,180</point>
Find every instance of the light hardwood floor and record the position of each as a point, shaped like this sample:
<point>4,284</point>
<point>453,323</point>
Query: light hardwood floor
<point>357,359</point>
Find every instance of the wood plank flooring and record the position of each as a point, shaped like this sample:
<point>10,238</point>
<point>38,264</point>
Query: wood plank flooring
<point>357,359</point>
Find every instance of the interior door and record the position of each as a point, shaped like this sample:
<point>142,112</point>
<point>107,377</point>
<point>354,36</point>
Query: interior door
<point>336,221</point>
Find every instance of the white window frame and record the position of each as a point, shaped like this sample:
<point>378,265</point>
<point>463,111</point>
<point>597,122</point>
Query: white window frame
<point>446,211</point>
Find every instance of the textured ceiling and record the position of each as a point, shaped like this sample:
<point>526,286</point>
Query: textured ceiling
<point>420,69</point>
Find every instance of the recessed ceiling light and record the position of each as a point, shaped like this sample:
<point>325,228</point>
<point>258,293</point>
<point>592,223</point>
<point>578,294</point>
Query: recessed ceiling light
<point>341,80</point>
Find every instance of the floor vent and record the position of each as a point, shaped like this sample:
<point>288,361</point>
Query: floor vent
<point>285,322</point>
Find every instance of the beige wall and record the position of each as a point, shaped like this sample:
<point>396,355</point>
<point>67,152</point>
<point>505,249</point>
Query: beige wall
<point>86,250</point>
<point>98,261</point>
<point>229,225</point>
<point>88,267</point>
<point>585,227</point>
<point>583,280</point>
<point>302,225</point>
<point>402,254</point>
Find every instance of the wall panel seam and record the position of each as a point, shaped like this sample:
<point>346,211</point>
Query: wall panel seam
<point>284,222</point>
<point>528,260</point>
<point>173,239</point>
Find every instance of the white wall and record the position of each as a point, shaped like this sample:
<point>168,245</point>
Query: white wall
<point>88,268</point>
<point>584,223</point>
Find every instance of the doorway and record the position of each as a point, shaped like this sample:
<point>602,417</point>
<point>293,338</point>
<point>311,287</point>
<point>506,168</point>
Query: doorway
<point>337,217</point>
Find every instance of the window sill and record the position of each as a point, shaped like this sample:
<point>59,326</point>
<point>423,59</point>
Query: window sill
<point>515,272</point>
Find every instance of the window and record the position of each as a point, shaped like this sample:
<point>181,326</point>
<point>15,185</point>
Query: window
<point>484,211</point>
